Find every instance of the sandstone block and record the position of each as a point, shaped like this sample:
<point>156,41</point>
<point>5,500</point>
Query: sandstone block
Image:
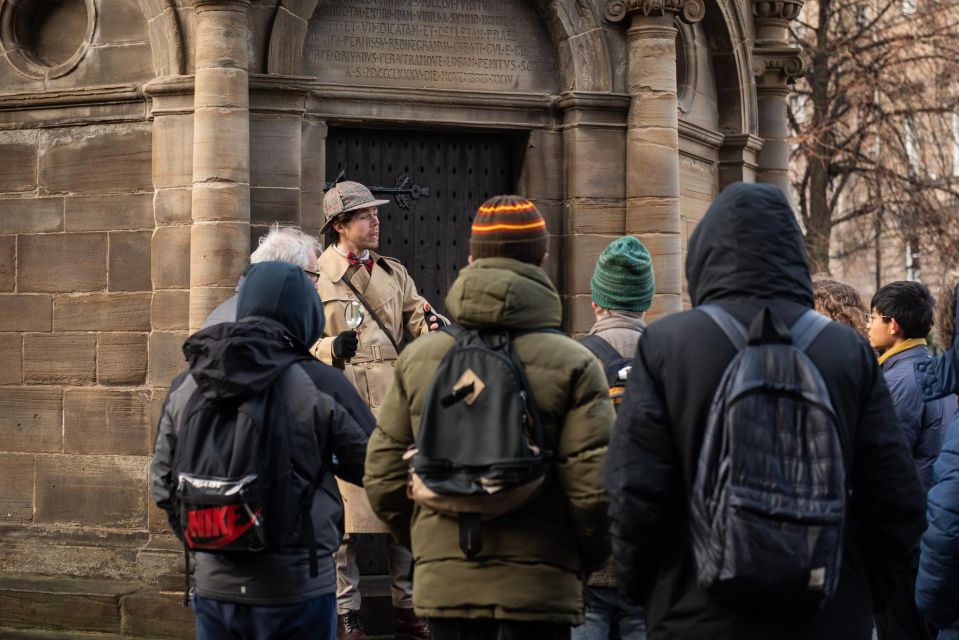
<point>120,64</point>
<point>313,155</point>
<point>121,358</point>
<point>543,169</point>
<point>268,205</point>
<point>166,357</point>
<point>596,160</point>
<point>221,201</point>
<point>8,263</point>
<point>222,88</point>
<point>579,312</point>
<point>16,478</point>
<point>106,421</point>
<point>62,262</point>
<point>71,604</point>
<point>31,419</point>
<point>109,213</point>
<point>88,490</point>
<point>221,144</point>
<point>170,257</point>
<point>96,159</point>
<point>59,358</point>
<point>219,251</point>
<point>170,310</point>
<point>652,215</point>
<point>665,250</point>
<point>157,615</point>
<point>203,300</point>
<point>660,172</point>
<point>19,167</point>
<point>102,312</point>
<point>173,151</point>
<point>11,355</point>
<point>129,261</point>
<point>31,215</point>
<point>173,205</point>
<point>26,312</point>
<point>596,215</point>
<point>583,251</point>
<point>122,23</point>
<point>276,143</point>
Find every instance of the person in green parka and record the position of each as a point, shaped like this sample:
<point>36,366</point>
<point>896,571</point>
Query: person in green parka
<point>527,580</point>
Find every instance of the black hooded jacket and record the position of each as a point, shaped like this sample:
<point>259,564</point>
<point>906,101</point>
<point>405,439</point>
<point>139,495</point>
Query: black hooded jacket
<point>280,314</point>
<point>746,254</point>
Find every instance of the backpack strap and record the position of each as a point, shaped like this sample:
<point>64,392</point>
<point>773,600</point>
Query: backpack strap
<point>600,348</point>
<point>807,329</point>
<point>733,329</point>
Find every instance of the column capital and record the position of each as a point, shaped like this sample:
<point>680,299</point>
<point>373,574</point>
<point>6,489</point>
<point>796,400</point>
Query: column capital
<point>689,10</point>
<point>778,66</point>
<point>769,10</point>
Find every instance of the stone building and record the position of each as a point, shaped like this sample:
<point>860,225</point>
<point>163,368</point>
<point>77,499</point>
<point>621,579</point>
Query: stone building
<point>145,143</point>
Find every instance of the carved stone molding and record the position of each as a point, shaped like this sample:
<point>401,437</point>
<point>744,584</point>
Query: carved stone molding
<point>788,61</point>
<point>689,10</point>
<point>222,5</point>
<point>776,9</point>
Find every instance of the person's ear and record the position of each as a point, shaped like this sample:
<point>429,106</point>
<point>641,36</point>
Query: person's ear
<point>894,327</point>
<point>469,259</point>
<point>542,261</point>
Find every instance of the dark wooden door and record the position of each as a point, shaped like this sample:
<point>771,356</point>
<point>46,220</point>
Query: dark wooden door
<point>429,234</point>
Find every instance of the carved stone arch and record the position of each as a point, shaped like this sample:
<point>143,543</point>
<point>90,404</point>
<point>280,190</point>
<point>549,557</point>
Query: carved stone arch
<point>728,37</point>
<point>166,37</point>
<point>288,35</point>
<point>580,44</point>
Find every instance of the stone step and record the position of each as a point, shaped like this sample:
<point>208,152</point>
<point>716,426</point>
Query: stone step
<point>75,604</point>
<point>158,614</point>
<point>10,633</point>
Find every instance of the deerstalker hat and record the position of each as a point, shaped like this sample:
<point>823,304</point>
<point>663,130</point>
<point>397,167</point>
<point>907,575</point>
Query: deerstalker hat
<point>344,197</point>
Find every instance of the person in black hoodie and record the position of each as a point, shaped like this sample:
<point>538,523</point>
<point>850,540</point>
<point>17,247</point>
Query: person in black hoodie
<point>746,254</point>
<point>271,595</point>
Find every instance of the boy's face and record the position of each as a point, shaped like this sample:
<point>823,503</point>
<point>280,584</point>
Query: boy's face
<point>884,331</point>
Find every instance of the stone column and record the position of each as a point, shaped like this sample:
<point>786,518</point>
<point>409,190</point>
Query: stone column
<point>220,234</point>
<point>652,137</point>
<point>776,65</point>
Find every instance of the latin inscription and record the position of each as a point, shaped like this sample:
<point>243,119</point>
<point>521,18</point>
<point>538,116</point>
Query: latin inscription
<point>476,44</point>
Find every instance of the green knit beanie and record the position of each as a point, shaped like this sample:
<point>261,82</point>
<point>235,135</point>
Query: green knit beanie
<point>623,278</point>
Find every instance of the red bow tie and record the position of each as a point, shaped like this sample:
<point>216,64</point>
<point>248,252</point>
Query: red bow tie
<point>353,260</point>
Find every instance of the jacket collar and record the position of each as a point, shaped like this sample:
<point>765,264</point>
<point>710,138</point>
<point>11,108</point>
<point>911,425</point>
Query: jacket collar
<point>905,350</point>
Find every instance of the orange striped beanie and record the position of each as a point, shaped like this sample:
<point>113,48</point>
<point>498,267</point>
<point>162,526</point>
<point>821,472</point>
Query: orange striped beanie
<point>509,227</point>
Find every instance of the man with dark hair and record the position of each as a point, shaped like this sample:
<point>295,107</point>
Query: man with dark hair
<point>900,319</point>
<point>351,271</point>
<point>747,255</point>
<point>525,580</point>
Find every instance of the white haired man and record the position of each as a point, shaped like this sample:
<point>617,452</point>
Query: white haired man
<point>280,244</point>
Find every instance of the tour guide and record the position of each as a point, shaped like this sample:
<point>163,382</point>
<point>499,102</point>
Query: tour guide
<point>350,270</point>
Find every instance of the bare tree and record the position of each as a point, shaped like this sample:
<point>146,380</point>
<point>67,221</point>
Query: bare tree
<point>874,125</point>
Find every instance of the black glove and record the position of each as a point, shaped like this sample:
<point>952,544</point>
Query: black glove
<point>345,344</point>
<point>432,319</point>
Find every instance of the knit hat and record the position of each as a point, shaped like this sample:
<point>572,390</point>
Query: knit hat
<point>623,278</point>
<point>344,197</point>
<point>509,227</point>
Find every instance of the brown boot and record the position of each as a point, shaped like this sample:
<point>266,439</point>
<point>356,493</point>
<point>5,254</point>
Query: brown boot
<point>410,627</point>
<point>349,627</point>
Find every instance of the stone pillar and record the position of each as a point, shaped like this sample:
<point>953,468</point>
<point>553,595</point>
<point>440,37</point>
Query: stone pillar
<point>776,65</point>
<point>652,137</point>
<point>220,234</point>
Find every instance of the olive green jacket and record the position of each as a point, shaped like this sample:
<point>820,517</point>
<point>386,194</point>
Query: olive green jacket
<point>533,559</point>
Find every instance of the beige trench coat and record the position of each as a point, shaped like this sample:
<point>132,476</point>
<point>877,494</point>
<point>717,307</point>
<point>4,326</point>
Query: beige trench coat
<point>392,293</point>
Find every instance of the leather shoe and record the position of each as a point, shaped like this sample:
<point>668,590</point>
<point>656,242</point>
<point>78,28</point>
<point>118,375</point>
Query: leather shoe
<point>349,627</point>
<point>410,627</point>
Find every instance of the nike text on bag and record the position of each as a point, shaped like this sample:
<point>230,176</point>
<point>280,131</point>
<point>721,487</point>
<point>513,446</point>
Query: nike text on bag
<point>768,503</point>
<point>615,366</point>
<point>240,487</point>
<point>479,448</point>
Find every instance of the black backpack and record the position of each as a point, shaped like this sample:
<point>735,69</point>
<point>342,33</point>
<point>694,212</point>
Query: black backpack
<point>479,449</point>
<point>616,366</point>
<point>768,503</point>
<point>241,487</point>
